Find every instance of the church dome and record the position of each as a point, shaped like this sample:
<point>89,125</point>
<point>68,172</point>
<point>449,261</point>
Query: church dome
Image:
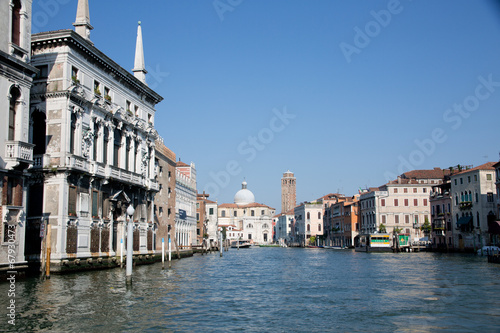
<point>244,196</point>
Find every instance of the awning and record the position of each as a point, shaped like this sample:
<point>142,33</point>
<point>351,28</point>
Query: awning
<point>494,227</point>
<point>464,220</point>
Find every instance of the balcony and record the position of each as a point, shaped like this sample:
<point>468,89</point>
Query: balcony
<point>465,205</point>
<point>17,153</point>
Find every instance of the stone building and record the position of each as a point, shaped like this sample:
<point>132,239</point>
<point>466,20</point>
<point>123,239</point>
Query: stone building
<point>207,218</point>
<point>402,203</point>
<point>16,153</point>
<point>441,216</point>
<point>288,192</point>
<point>473,206</point>
<point>185,204</point>
<point>165,198</point>
<point>342,218</point>
<point>284,227</point>
<point>93,127</point>
<point>308,222</point>
<point>253,220</point>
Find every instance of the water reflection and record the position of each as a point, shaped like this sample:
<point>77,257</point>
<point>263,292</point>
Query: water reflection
<point>271,289</point>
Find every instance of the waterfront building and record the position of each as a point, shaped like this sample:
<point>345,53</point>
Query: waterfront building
<point>185,204</point>
<point>308,222</point>
<point>93,127</point>
<point>253,219</point>
<point>232,232</point>
<point>207,216</point>
<point>494,228</point>
<point>441,216</point>
<point>288,192</point>
<point>473,206</point>
<point>401,204</point>
<point>342,220</point>
<point>330,229</point>
<point>284,226</point>
<point>164,200</point>
<point>16,153</point>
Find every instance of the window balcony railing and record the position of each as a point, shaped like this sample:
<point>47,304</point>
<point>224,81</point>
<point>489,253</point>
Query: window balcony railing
<point>465,205</point>
<point>17,152</point>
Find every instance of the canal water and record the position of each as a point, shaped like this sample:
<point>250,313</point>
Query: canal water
<point>269,290</point>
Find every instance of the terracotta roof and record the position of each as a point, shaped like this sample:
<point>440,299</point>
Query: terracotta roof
<point>162,149</point>
<point>181,164</point>
<point>436,173</point>
<point>485,166</point>
<point>250,205</point>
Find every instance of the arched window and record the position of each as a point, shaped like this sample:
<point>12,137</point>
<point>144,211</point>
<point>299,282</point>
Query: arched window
<point>96,142</point>
<point>308,227</point>
<point>72,134</point>
<point>127,153</point>
<point>38,139</point>
<point>308,215</point>
<point>105,145</point>
<point>14,97</point>
<point>116,147</point>
<point>16,23</point>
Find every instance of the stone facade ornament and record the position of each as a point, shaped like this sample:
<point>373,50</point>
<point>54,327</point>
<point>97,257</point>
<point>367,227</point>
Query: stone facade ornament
<point>87,139</point>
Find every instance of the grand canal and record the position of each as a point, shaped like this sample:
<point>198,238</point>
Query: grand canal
<point>270,290</point>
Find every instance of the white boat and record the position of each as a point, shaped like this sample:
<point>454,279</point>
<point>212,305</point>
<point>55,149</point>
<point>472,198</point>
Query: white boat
<point>241,244</point>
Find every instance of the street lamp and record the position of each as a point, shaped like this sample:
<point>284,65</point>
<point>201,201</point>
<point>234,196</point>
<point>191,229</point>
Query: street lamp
<point>130,240</point>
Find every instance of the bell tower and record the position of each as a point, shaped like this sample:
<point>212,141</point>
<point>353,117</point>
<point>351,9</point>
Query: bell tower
<point>288,192</point>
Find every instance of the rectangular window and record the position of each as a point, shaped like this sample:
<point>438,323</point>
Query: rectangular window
<point>95,204</point>
<point>396,203</point>
<point>414,190</point>
<point>489,197</point>
<point>416,219</point>
<point>235,213</point>
<point>43,71</point>
<point>383,219</point>
<point>249,236</point>
<point>461,180</point>
<point>406,202</point>
<point>97,88</point>
<point>382,202</point>
<point>424,190</point>
<point>252,213</point>
<point>425,202</point>
<point>198,217</point>
<point>72,201</point>
<point>261,212</point>
<point>405,190</point>
<point>455,181</point>
<point>407,218</point>
<point>415,202</point>
<point>468,179</point>
<point>396,218</point>
<point>74,74</point>
<point>488,176</point>
<point>395,190</point>
<point>475,179</point>
<point>211,211</point>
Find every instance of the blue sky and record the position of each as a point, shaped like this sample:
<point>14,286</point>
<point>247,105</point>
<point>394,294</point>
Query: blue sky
<point>345,94</point>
